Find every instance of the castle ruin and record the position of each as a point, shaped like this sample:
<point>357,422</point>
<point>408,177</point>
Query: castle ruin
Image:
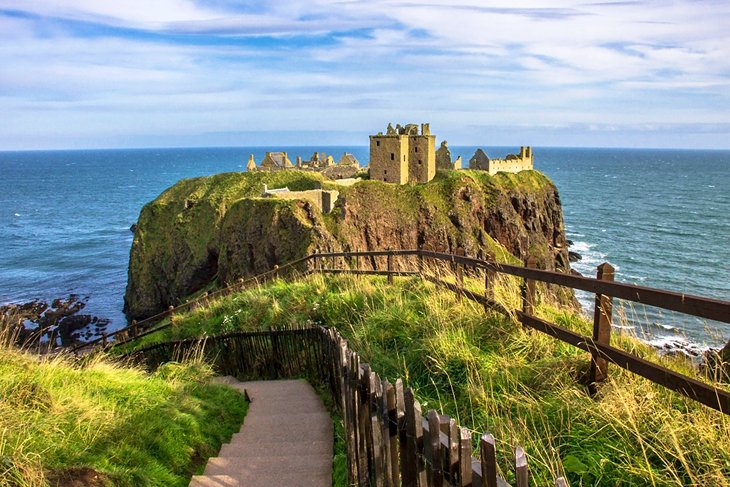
<point>511,163</point>
<point>323,199</point>
<point>402,155</point>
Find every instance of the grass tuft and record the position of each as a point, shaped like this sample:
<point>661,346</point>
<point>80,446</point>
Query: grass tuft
<point>494,376</point>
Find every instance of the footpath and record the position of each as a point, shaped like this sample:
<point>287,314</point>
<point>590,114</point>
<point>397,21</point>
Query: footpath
<point>286,440</point>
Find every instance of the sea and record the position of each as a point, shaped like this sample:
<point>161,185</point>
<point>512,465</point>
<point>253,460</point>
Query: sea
<point>660,217</point>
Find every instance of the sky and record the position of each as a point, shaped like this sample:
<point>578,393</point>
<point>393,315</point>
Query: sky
<point>183,73</point>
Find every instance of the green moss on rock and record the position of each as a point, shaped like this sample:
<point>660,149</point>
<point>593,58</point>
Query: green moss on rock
<point>218,227</point>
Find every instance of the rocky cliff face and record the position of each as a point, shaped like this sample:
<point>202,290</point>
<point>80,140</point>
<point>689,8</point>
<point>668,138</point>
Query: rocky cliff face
<point>213,228</point>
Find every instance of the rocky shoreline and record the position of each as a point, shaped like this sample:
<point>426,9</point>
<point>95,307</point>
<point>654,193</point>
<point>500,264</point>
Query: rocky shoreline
<point>43,324</point>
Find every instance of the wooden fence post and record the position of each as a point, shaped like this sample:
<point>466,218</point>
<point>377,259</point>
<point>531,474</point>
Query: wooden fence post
<point>104,339</point>
<point>276,272</point>
<point>601,328</point>
<point>390,268</point>
<point>465,471</point>
<point>489,278</point>
<point>407,471</point>
<point>460,273</point>
<point>521,476</point>
<point>171,312</point>
<point>420,264</point>
<point>434,436</point>
<point>528,296</point>
<point>488,460</point>
<point>453,456</point>
<point>134,328</point>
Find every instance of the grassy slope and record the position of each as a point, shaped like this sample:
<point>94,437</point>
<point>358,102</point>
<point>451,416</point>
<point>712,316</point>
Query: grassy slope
<point>59,420</point>
<point>493,376</point>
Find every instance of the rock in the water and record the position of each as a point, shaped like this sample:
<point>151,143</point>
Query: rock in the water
<point>36,320</point>
<point>133,228</point>
<point>574,256</point>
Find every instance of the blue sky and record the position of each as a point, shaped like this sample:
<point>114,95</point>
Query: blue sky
<point>140,73</point>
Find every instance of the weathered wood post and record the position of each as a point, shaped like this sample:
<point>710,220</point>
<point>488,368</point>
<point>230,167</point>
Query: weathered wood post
<point>465,471</point>
<point>276,272</point>
<point>171,312</point>
<point>134,329</point>
<point>489,277</point>
<point>488,460</point>
<point>528,291</point>
<point>460,273</point>
<point>104,339</point>
<point>390,267</point>
<point>420,263</point>
<point>436,472</point>
<point>521,474</point>
<point>601,328</point>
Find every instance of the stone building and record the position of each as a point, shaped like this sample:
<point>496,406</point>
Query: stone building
<point>403,155</point>
<point>275,161</point>
<point>321,198</point>
<point>443,158</point>
<point>511,163</point>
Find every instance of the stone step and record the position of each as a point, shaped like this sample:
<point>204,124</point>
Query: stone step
<point>214,481</point>
<point>303,465</point>
<point>285,440</point>
<point>274,419</point>
<point>274,448</point>
<point>279,479</point>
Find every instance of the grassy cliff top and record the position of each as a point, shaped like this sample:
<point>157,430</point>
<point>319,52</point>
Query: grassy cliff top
<point>495,376</point>
<point>102,423</point>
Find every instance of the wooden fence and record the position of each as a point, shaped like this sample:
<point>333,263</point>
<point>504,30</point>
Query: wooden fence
<point>603,286</point>
<point>389,441</point>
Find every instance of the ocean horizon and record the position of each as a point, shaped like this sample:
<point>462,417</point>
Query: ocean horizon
<point>658,215</point>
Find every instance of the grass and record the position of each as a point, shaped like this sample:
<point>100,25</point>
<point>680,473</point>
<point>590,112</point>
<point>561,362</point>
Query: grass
<point>106,423</point>
<point>494,376</point>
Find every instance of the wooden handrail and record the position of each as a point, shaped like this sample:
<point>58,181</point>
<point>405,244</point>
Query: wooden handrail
<point>183,307</point>
<point>708,308</point>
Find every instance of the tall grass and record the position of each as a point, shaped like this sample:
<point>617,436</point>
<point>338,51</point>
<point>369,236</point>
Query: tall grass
<point>494,376</point>
<point>61,419</point>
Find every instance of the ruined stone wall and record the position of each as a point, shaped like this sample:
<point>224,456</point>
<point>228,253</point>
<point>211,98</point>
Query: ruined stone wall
<point>421,158</point>
<point>322,199</point>
<point>388,158</point>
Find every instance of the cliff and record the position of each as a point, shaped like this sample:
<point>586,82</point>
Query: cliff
<point>218,227</point>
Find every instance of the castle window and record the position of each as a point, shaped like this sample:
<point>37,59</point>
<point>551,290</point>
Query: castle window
<point>377,142</point>
<point>416,149</point>
<point>404,157</point>
<point>420,161</point>
<point>392,156</point>
<point>385,172</point>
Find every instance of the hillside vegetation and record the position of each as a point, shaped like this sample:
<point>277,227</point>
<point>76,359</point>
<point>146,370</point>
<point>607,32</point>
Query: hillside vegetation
<point>214,230</point>
<point>102,423</point>
<point>494,376</point>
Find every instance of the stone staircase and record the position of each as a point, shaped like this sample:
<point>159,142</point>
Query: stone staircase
<point>286,440</point>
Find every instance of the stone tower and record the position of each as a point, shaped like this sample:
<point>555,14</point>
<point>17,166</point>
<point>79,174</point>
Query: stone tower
<point>403,155</point>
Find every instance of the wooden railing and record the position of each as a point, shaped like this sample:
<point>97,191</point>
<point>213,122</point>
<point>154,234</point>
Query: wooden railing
<point>139,329</point>
<point>604,287</point>
<point>389,442</point>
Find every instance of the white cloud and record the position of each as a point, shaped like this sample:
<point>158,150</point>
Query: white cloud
<point>181,66</point>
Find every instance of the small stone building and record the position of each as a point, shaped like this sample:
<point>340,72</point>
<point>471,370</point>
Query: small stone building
<point>511,163</point>
<point>321,198</point>
<point>402,155</point>
<point>275,161</point>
